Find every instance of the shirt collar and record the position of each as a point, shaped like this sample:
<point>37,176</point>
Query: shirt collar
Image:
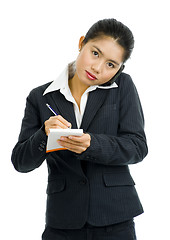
<point>61,83</point>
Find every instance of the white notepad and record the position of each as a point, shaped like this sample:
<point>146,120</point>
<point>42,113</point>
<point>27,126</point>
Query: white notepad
<point>55,135</point>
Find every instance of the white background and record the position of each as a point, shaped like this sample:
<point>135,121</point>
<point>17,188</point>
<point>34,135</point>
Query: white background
<point>37,39</point>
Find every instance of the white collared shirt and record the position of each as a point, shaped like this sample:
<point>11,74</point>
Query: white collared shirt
<point>61,83</point>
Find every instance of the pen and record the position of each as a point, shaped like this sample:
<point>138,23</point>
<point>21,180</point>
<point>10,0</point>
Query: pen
<point>50,108</point>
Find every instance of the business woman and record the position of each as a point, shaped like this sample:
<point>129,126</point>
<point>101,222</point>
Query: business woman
<point>90,192</point>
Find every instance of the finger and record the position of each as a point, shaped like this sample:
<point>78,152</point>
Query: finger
<point>74,145</point>
<point>71,147</point>
<point>59,121</point>
<point>64,121</point>
<point>80,139</point>
<point>67,140</point>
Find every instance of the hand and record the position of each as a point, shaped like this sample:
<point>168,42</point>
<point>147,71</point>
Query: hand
<point>57,122</point>
<point>75,143</point>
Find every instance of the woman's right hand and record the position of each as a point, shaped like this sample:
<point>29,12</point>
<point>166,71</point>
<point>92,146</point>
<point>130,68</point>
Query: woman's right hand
<point>57,122</point>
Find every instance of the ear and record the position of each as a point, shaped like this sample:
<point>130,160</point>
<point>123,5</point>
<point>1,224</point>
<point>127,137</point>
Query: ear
<point>81,42</point>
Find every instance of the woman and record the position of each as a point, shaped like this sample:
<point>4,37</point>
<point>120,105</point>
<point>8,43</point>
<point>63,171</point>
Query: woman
<point>90,192</point>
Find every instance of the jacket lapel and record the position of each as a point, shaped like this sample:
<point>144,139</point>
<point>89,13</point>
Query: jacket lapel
<point>95,101</point>
<point>62,107</point>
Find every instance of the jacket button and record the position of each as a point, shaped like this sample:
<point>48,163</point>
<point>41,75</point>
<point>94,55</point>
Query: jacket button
<point>40,148</point>
<point>41,145</point>
<point>83,182</point>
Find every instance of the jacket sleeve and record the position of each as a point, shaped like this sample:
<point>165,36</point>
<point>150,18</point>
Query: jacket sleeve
<point>129,145</point>
<point>30,151</point>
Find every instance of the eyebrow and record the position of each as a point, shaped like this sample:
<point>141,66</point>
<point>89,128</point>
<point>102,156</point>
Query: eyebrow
<point>103,54</point>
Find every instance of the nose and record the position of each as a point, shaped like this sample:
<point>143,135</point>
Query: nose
<point>97,67</point>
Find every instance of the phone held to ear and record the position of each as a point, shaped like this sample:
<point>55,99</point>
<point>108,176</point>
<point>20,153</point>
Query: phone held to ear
<point>115,76</point>
<point>118,73</point>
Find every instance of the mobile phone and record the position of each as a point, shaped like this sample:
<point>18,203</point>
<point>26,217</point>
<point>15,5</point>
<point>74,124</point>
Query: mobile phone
<point>112,80</point>
<point>118,73</point>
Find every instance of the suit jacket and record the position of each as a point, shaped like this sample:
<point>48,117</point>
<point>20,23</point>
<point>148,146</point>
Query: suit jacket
<point>95,186</point>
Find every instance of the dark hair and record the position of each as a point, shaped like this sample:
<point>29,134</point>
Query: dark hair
<point>115,29</point>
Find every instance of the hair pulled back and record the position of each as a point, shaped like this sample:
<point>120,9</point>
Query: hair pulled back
<point>115,29</point>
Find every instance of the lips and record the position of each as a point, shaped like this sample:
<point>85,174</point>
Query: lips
<point>90,76</point>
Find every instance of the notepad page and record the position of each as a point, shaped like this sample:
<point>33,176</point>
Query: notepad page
<point>55,134</point>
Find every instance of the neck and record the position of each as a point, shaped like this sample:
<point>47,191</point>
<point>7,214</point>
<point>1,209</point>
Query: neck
<point>76,86</point>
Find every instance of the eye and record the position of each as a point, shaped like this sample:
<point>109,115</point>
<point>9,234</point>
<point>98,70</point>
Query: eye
<point>95,53</point>
<point>110,65</point>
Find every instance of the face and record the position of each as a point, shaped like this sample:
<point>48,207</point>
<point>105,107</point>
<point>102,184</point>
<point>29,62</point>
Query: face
<point>98,61</point>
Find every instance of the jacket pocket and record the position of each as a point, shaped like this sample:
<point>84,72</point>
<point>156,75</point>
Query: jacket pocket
<point>118,179</point>
<point>55,185</point>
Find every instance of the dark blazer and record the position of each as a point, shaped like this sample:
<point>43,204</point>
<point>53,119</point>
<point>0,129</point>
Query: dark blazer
<point>95,186</point>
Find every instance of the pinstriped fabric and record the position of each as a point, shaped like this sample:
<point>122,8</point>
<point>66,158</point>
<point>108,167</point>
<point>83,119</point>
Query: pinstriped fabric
<point>103,192</point>
<point>94,103</point>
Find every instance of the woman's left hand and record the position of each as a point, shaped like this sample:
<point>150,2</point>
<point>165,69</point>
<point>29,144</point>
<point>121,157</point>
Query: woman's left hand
<point>77,144</point>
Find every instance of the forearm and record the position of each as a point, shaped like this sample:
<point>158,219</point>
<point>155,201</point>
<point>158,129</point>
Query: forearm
<point>110,150</point>
<point>29,154</point>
